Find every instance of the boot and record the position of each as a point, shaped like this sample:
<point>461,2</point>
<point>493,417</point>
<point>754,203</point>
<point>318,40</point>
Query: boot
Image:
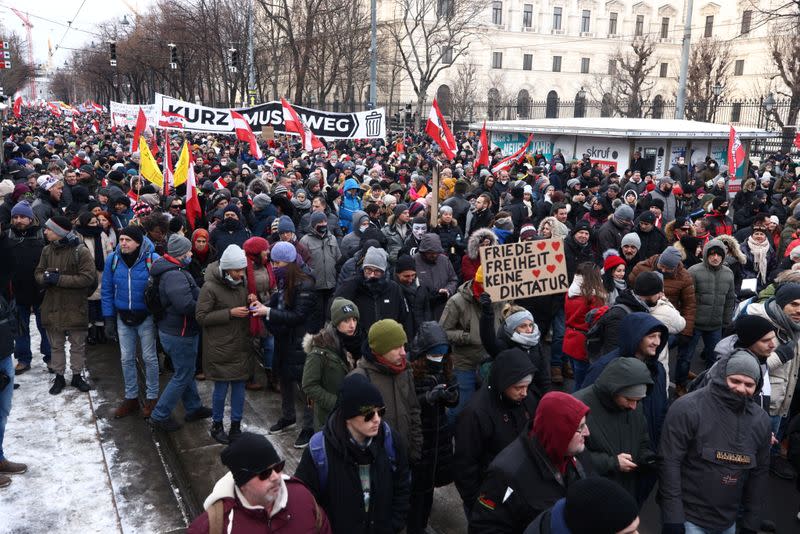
<point>100,333</point>
<point>58,385</point>
<point>148,407</point>
<point>5,481</point>
<point>235,431</point>
<point>80,383</point>
<point>566,369</point>
<point>218,433</point>
<point>126,408</point>
<point>272,382</point>
<point>91,336</point>
<point>253,385</point>
<point>555,376</point>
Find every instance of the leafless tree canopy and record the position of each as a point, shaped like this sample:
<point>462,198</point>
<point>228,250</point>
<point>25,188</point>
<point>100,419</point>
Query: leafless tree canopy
<point>631,85</point>
<point>464,92</point>
<point>709,66</point>
<point>20,73</point>
<point>785,53</point>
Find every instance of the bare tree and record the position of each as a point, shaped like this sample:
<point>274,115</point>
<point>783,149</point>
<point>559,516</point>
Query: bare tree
<point>430,35</point>
<point>20,73</point>
<point>707,78</point>
<point>464,91</point>
<point>631,84</point>
<point>785,54</point>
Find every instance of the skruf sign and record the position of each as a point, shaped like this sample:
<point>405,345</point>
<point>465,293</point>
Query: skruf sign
<point>525,269</point>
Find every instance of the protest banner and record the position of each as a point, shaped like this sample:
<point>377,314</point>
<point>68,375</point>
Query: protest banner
<point>267,133</point>
<point>125,114</point>
<point>525,269</point>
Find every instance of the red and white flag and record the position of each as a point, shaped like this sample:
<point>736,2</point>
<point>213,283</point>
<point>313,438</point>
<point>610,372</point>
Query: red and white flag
<point>437,128</point>
<point>278,164</point>
<point>294,123</point>
<point>172,120</point>
<point>219,183</point>
<point>96,126</point>
<point>193,211</point>
<point>74,126</point>
<point>735,151</point>
<point>167,171</point>
<point>141,124</point>
<point>54,108</point>
<point>797,139</point>
<point>483,149</point>
<point>17,107</point>
<point>508,162</point>
<point>133,196</point>
<point>245,133</point>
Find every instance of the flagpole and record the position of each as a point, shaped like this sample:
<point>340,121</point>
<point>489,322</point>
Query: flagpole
<point>434,216</point>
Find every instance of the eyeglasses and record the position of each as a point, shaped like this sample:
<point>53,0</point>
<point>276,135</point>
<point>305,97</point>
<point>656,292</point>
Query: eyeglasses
<point>266,473</point>
<point>372,272</point>
<point>370,414</point>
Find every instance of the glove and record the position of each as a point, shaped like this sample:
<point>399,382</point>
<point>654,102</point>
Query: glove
<point>486,303</point>
<point>436,394</point>
<point>785,351</point>
<point>51,278</point>
<point>673,528</point>
<point>451,395</point>
<point>110,328</point>
<point>683,341</point>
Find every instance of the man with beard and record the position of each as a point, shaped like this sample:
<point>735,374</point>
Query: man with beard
<point>435,274</point>
<point>481,216</point>
<point>630,251</point>
<point>47,204</point>
<point>577,248</point>
<point>652,238</point>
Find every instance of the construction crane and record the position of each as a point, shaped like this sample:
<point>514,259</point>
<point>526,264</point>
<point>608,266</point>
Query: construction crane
<point>28,26</point>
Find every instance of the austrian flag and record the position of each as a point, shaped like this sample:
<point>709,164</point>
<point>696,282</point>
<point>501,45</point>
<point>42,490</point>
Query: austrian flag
<point>220,183</point>
<point>437,128</point>
<point>245,133</point>
<point>171,120</point>
<point>735,151</point>
<point>294,123</point>
<point>95,126</point>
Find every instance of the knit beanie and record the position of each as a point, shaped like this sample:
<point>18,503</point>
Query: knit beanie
<point>22,209</point>
<point>405,263</point>
<point>624,213</point>
<point>357,395</point>
<point>283,251</point>
<point>597,505</point>
<point>386,335</point>
<point>375,258</point>
<point>285,224</point>
<point>670,258</point>
<point>516,319</point>
<point>751,328</point>
<point>744,363</point>
<point>233,258</point>
<point>400,208</point>
<point>61,226</point>
<point>342,309</point>
<point>647,217</point>
<point>787,293</point>
<point>261,201</point>
<point>648,284</point>
<point>631,239</point>
<point>247,456</point>
<point>318,218</point>
<point>178,245</point>
<point>134,232</point>
<point>612,260</point>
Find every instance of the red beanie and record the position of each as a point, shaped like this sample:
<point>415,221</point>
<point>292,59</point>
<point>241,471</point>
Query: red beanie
<point>611,262</point>
<point>556,421</point>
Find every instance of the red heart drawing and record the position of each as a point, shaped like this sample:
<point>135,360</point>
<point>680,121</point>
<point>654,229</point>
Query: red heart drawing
<point>536,272</point>
<point>551,268</point>
<point>559,257</point>
<point>556,245</point>
<point>541,245</point>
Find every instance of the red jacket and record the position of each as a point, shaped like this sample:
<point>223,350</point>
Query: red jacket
<point>575,310</point>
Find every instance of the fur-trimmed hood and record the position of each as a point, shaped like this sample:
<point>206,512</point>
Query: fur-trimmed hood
<point>669,231</point>
<point>749,185</point>
<point>733,247</point>
<point>475,239</point>
<point>557,228</point>
<point>325,338</point>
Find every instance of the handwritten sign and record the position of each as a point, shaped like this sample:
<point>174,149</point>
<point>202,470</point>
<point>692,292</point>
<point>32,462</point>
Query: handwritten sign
<point>526,269</point>
<point>268,133</point>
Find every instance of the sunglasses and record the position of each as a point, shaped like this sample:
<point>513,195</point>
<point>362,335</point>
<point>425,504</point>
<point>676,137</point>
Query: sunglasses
<point>266,473</point>
<point>370,414</point>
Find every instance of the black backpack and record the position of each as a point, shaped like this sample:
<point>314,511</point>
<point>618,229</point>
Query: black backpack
<point>595,336</point>
<point>152,298</point>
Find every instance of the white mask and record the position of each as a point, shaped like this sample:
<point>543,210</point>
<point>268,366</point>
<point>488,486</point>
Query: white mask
<point>437,359</point>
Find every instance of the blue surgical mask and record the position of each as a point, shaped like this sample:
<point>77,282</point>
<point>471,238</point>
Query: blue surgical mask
<point>186,261</point>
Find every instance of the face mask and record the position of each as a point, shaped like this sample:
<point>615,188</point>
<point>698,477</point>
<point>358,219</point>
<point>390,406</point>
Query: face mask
<point>363,227</point>
<point>231,281</point>
<point>186,261</point>
<point>322,229</point>
<point>280,272</point>
<point>436,359</point>
<point>419,230</point>
<point>723,209</point>
<point>230,224</point>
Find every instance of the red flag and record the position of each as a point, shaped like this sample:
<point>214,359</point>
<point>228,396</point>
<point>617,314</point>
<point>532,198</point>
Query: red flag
<point>104,182</point>
<point>294,123</point>
<point>506,163</point>
<point>278,164</point>
<point>797,140</point>
<point>96,126</point>
<point>74,126</point>
<point>153,142</point>
<point>437,128</point>
<point>219,183</point>
<point>171,120</point>
<point>245,133</point>
<point>54,108</point>
<point>192,201</point>
<point>17,107</point>
<point>141,124</point>
<point>483,149</point>
<point>133,196</point>
<point>735,152</point>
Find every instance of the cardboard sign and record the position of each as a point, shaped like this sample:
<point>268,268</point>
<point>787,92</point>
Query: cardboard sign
<point>526,269</point>
<point>267,133</point>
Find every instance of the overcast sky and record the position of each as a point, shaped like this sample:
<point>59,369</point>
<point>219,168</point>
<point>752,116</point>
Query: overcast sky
<point>49,19</point>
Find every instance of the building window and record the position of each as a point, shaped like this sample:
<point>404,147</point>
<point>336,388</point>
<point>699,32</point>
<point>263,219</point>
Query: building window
<point>586,17</point>
<point>447,55</point>
<point>612,23</point>
<point>709,32</point>
<point>736,112</point>
<point>527,62</point>
<point>738,67</point>
<point>497,60</point>
<point>527,16</point>
<point>639,26</point>
<point>497,13</point>
<point>557,18</point>
<point>612,66</point>
<point>584,65</point>
<point>663,72</point>
<point>747,17</point>
<point>556,63</point>
<point>658,107</point>
<point>665,27</point>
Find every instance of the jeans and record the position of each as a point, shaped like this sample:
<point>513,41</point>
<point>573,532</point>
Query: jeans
<point>7,367</point>
<point>691,528</point>
<point>579,368</point>
<point>146,333</point>
<point>685,355</point>
<point>467,382</point>
<point>267,350</point>
<point>775,421</point>
<point>218,400</point>
<point>181,387</point>
<point>288,388</point>
<point>23,341</point>
<point>559,327</point>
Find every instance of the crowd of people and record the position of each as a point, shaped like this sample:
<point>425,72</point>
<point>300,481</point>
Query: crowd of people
<point>327,278</point>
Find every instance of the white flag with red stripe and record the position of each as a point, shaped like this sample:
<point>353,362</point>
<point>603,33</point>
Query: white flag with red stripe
<point>96,126</point>
<point>54,108</point>
<point>508,162</point>
<point>735,151</point>
<point>172,120</point>
<point>294,123</point>
<point>437,128</point>
<point>278,164</point>
<point>245,133</point>
<point>74,126</point>
<point>193,211</point>
<point>219,183</point>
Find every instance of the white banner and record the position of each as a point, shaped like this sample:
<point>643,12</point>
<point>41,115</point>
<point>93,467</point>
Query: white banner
<point>125,114</point>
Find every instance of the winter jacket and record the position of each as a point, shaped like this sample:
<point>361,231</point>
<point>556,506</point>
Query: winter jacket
<point>461,321</point>
<point>298,511</point>
<point>609,235</point>
<point>609,323</point>
<point>719,224</point>
<point>653,242</point>
<point>227,348</point>
<point>44,207</point>
<point>715,292</point>
<point>262,221</point>
<point>576,254</point>
<point>669,212</point>
<point>576,306</point>
<point>123,287</point>
<point>65,305</point>
<point>400,399</point>
<point>453,243</point>
<point>750,269</point>
<point>615,430</point>
<point>343,497</point>
<point>351,242</point>
<point>472,259</point>
<point>324,253</point>
<point>715,450</point>
<point>394,240</point>
<point>436,276</point>
<point>376,300</point>
<point>21,252</point>
<point>489,422</point>
<point>288,323</point>
<point>324,371</point>
<point>350,204</point>
<point>178,293</point>
<point>678,288</point>
<point>220,238</point>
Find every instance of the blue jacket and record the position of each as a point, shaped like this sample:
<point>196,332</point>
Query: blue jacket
<point>121,220</point>
<point>123,288</point>
<point>350,204</point>
<point>632,329</point>
<point>178,293</point>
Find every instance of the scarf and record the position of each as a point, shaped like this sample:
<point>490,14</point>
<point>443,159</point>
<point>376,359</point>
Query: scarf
<point>786,326</point>
<point>395,369</point>
<point>200,255</point>
<point>527,340</point>
<point>351,344</point>
<point>759,252</point>
<point>93,232</point>
<point>620,284</point>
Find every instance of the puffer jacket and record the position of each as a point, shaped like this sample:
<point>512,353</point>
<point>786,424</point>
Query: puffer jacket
<point>324,371</point>
<point>227,349</point>
<point>123,287</point>
<point>65,305</point>
<point>715,291</point>
<point>178,293</point>
<point>678,288</point>
<point>350,204</point>
<point>461,320</point>
<point>288,322</point>
<point>324,253</point>
<point>22,251</point>
<point>472,259</point>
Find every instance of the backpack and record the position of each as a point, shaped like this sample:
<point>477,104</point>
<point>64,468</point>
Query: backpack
<point>152,298</point>
<point>316,447</point>
<point>595,336</point>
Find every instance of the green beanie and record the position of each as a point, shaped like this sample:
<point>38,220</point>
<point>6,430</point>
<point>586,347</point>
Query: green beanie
<point>386,335</point>
<point>342,309</point>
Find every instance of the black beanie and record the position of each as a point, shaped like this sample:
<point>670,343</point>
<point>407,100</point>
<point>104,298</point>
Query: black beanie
<point>358,394</point>
<point>717,202</point>
<point>786,293</point>
<point>648,284</point>
<point>62,222</point>
<point>751,328</point>
<point>517,192</point>
<point>248,456</point>
<point>596,505</point>
<point>134,232</point>
<point>405,263</point>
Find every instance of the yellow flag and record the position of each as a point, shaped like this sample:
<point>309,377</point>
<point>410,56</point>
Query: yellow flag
<point>182,167</point>
<point>148,167</point>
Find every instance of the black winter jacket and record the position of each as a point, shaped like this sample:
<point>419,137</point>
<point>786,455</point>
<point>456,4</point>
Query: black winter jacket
<point>178,292</point>
<point>21,253</point>
<point>378,300</point>
<point>287,322</point>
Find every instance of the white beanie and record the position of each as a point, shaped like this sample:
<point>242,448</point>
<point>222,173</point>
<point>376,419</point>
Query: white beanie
<point>233,258</point>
